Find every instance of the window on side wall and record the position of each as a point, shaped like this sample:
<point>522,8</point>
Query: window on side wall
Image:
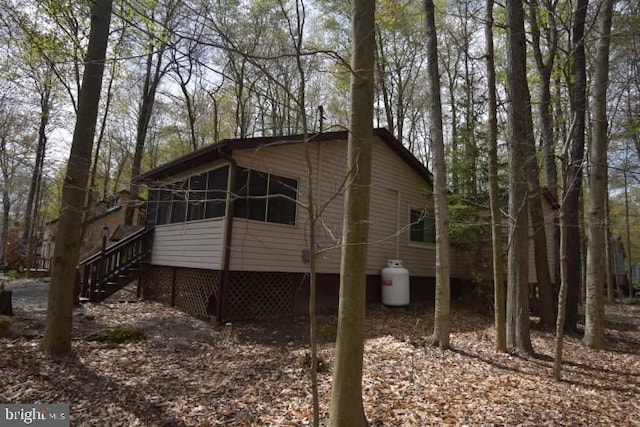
<point>265,197</point>
<point>422,227</point>
<point>281,203</point>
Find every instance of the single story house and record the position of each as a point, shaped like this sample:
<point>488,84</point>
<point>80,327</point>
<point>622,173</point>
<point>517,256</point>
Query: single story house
<point>231,224</point>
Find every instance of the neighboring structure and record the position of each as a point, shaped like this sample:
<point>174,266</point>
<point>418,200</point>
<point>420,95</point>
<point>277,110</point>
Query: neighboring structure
<point>620,271</point>
<point>231,225</point>
<point>550,208</point>
<point>635,278</point>
<point>107,213</point>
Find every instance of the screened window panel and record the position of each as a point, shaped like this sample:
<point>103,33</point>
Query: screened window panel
<point>179,205</point>
<point>164,207</point>
<point>152,207</point>
<point>196,199</point>
<point>218,181</point>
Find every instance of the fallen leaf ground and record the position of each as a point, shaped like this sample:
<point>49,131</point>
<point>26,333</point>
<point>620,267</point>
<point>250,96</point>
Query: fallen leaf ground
<point>188,372</point>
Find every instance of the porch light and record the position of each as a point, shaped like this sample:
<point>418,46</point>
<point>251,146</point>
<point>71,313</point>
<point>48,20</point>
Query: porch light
<point>105,231</point>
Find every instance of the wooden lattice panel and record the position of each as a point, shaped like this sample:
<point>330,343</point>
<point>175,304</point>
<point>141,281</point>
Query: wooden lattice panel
<point>157,284</point>
<point>194,288</point>
<point>260,294</point>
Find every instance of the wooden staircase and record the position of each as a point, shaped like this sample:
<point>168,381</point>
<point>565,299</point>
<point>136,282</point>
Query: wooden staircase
<point>108,271</point>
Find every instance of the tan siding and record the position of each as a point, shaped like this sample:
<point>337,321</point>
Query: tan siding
<point>390,176</point>
<point>332,160</point>
<point>259,246</point>
<point>194,244</point>
<point>196,171</point>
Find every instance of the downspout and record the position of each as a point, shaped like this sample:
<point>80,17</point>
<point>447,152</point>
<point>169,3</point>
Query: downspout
<point>225,278</point>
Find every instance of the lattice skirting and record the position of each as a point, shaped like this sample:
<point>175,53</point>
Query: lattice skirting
<point>157,283</point>
<point>194,289</point>
<point>251,295</point>
<point>254,295</point>
<point>191,290</point>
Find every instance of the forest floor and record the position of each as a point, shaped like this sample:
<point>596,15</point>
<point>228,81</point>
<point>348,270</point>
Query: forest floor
<point>188,372</point>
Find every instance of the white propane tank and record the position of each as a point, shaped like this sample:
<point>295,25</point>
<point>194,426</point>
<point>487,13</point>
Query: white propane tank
<point>395,284</point>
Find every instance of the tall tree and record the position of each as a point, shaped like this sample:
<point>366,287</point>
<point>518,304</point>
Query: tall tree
<point>14,153</point>
<point>594,307</point>
<point>578,99</point>
<point>441,322</point>
<point>156,67</point>
<point>538,223</point>
<point>57,337</point>
<point>346,394</point>
<point>544,62</point>
<point>564,264</point>
<point>499,290</point>
<point>518,272</point>
<point>545,59</point>
<point>400,62</point>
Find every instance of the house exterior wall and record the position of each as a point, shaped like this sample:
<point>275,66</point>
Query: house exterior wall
<point>193,244</point>
<point>261,246</point>
<point>273,247</point>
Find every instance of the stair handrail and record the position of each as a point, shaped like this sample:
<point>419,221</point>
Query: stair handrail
<point>115,246</point>
<point>102,267</point>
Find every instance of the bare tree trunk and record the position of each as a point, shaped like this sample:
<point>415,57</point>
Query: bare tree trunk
<point>499,289</point>
<point>441,327</point>
<point>517,270</point>
<point>381,63</point>
<point>94,193</point>
<point>6,199</point>
<point>154,72</point>
<point>609,256</point>
<point>536,212</point>
<point>346,394</point>
<point>297,32</point>
<point>575,166</point>
<point>57,337</point>
<point>36,177</point>
<point>152,80</point>
<point>562,295</point>
<point>594,308</point>
<point>545,67</point>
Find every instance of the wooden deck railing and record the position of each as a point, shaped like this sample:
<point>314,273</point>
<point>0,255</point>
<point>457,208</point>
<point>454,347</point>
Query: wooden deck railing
<point>100,273</point>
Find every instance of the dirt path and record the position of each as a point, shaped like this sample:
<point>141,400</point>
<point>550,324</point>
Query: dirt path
<point>28,293</point>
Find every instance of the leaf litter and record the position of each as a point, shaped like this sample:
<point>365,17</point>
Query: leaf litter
<point>189,372</point>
